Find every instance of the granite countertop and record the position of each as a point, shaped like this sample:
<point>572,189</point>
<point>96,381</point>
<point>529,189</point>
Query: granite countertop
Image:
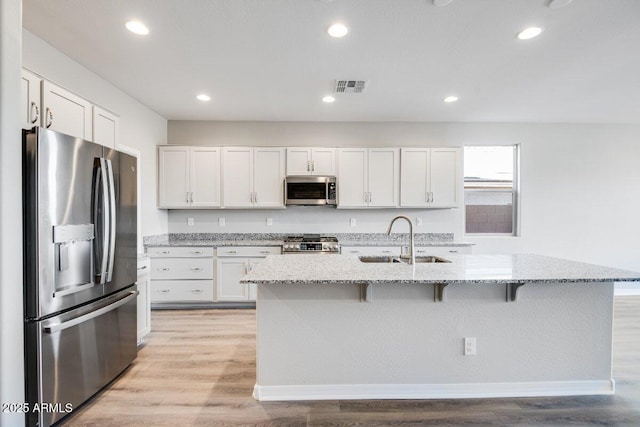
<point>276,239</point>
<point>348,269</point>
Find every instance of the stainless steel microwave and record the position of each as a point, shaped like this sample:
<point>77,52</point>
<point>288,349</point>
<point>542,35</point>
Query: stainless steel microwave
<point>307,190</point>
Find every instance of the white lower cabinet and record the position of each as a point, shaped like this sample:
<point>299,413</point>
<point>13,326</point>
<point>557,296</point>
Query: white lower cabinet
<point>233,263</point>
<point>144,298</point>
<point>181,274</point>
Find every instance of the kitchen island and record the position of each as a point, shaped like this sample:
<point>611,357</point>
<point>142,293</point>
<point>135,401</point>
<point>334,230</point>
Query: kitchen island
<point>334,327</point>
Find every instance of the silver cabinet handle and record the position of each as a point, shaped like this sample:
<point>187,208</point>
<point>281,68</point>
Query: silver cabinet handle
<point>164,291</point>
<point>196,269</point>
<point>366,197</point>
<point>37,115</point>
<point>197,291</point>
<point>232,252</point>
<point>144,267</point>
<point>431,196</point>
<point>187,193</point>
<point>453,251</point>
<point>421,251</point>
<point>265,252</point>
<point>385,252</point>
<point>354,252</point>
<point>165,269</point>
<point>196,252</point>
<point>313,165</point>
<point>308,165</point>
<point>165,252</point>
<point>370,197</point>
<point>192,197</point>
<point>255,197</point>
<point>49,115</point>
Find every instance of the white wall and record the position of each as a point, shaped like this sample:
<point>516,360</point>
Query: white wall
<point>11,341</point>
<point>140,127</point>
<point>580,183</point>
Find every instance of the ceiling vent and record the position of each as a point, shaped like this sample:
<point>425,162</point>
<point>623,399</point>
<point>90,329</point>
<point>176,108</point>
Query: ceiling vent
<point>350,86</point>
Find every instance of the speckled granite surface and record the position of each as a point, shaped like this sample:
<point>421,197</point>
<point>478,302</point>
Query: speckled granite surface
<point>275,239</point>
<point>348,269</point>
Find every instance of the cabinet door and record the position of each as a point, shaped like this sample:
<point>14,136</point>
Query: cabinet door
<point>384,177</point>
<point>238,177</point>
<point>352,178</point>
<point>30,100</point>
<point>269,172</point>
<point>65,112</point>
<point>323,161</point>
<point>144,307</point>
<point>230,271</point>
<point>173,177</point>
<point>252,288</point>
<point>106,128</point>
<point>414,179</point>
<point>446,177</point>
<point>205,177</point>
<point>298,161</point>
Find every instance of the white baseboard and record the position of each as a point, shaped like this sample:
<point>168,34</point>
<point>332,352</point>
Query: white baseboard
<point>432,391</point>
<point>626,292</point>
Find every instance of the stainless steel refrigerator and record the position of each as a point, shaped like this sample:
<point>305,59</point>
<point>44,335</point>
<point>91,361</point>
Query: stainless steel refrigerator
<point>80,250</point>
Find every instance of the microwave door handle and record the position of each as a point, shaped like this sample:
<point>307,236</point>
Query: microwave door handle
<point>101,220</point>
<point>326,192</point>
<point>112,220</point>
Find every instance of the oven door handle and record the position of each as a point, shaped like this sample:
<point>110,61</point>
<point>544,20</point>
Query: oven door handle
<point>57,327</point>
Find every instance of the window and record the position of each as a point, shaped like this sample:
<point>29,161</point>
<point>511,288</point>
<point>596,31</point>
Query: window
<point>490,189</point>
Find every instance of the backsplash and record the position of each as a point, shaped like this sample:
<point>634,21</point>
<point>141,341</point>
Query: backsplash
<point>311,219</point>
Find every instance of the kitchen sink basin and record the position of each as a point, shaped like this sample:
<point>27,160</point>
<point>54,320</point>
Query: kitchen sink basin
<point>392,259</point>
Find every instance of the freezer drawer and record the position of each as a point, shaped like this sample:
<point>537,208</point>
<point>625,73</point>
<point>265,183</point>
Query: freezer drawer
<point>72,356</point>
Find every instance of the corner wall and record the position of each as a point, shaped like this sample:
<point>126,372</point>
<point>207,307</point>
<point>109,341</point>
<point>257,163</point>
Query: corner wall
<point>11,320</point>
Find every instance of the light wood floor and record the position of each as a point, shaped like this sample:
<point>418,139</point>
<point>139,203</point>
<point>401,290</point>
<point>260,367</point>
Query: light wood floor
<point>198,369</point>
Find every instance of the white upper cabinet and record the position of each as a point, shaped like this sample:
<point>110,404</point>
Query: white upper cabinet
<point>311,161</point>
<point>205,177</point>
<point>431,177</point>
<point>254,177</point>
<point>238,177</point>
<point>269,172</point>
<point>65,112</point>
<point>368,177</point>
<point>30,86</point>
<point>188,177</point>
<point>106,128</point>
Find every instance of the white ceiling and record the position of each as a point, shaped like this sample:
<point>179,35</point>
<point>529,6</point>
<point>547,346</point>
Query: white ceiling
<point>273,60</point>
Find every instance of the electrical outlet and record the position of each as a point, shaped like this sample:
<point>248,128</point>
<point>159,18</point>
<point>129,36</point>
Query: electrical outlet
<point>190,222</point>
<point>419,222</point>
<point>353,222</point>
<point>469,346</point>
<point>269,222</point>
<point>221,222</point>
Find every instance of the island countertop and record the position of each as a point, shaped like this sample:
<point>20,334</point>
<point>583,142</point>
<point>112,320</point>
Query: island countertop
<point>348,269</point>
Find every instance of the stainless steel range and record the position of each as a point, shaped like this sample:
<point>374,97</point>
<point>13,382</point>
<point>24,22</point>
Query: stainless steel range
<point>311,243</point>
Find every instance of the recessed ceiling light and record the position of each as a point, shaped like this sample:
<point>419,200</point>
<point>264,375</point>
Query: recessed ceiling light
<point>337,30</point>
<point>451,98</point>
<point>441,2</point>
<point>529,33</point>
<point>137,27</point>
<point>203,97</point>
<point>328,99</point>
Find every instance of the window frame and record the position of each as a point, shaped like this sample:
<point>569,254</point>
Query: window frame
<point>515,192</point>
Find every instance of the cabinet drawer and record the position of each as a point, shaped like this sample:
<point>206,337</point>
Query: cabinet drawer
<point>181,268</point>
<point>371,250</point>
<point>442,250</point>
<point>249,251</point>
<point>179,252</point>
<point>181,290</point>
<point>144,267</point>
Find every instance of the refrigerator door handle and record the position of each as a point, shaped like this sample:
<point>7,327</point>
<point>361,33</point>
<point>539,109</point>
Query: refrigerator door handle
<point>57,327</point>
<point>112,220</point>
<point>102,221</point>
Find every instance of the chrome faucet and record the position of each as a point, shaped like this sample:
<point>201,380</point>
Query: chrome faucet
<point>412,253</point>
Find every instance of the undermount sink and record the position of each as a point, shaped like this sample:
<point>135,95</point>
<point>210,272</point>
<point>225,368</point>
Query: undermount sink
<point>392,259</point>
